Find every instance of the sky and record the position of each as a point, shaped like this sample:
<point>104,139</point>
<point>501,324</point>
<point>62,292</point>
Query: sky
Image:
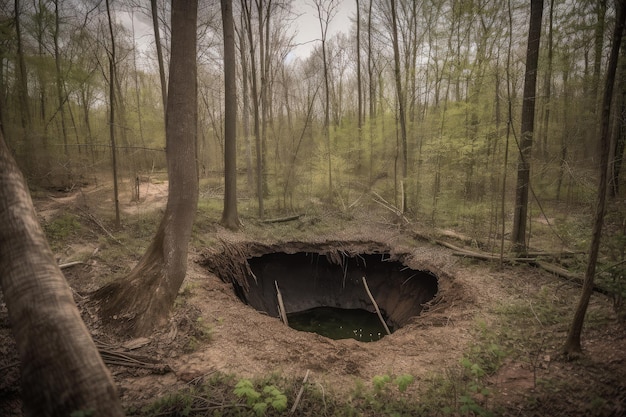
<point>306,26</point>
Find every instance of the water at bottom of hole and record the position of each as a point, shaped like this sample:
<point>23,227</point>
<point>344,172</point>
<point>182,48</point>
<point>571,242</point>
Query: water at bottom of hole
<point>339,323</point>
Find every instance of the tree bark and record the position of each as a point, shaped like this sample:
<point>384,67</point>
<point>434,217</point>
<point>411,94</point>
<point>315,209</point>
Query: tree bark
<point>142,300</point>
<point>230,218</point>
<point>62,371</point>
<point>325,13</point>
<point>619,141</point>
<point>246,7</point>
<point>159,50</point>
<point>400,96</point>
<point>572,345</point>
<point>112,117</point>
<point>359,87</point>
<point>528,120</point>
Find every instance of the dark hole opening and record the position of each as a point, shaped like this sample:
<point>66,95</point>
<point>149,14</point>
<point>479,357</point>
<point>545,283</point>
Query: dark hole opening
<point>309,281</point>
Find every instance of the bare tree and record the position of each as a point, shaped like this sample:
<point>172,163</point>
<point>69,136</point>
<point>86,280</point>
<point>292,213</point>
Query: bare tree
<point>142,300</point>
<point>247,11</point>
<point>572,345</point>
<point>326,10</point>
<point>112,76</point>
<point>62,372</point>
<point>400,96</point>
<point>159,50</point>
<point>230,218</point>
<point>528,120</point>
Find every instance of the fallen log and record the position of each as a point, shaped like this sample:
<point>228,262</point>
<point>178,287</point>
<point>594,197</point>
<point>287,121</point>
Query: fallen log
<point>575,278</point>
<point>282,219</point>
<point>489,257</point>
<point>546,266</point>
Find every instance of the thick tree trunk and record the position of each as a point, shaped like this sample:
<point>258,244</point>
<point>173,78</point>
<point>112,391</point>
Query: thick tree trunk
<point>62,371</point>
<point>230,218</point>
<point>572,345</point>
<point>528,120</point>
<point>141,301</point>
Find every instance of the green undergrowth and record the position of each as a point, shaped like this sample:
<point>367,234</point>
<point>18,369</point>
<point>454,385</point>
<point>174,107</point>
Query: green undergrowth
<point>62,229</point>
<point>227,395</point>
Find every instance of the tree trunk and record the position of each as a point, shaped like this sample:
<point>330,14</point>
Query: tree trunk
<point>112,117</point>
<point>245,103</point>
<point>400,96</point>
<point>325,13</point>
<point>572,345</point>
<point>159,50</point>
<point>548,86</point>
<point>59,81</point>
<point>22,83</point>
<point>528,120</point>
<point>245,5</point>
<point>230,218</point>
<point>142,300</point>
<point>619,142</point>
<point>62,372</point>
<point>359,87</point>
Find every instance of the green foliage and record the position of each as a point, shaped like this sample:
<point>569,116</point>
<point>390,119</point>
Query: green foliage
<point>61,228</point>
<point>403,381</point>
<point>177,403</point>
<point>382,382</point>
<point>270,396</point>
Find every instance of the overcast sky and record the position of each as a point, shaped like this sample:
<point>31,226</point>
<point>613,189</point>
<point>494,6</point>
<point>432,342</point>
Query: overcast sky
<point>306,26</point>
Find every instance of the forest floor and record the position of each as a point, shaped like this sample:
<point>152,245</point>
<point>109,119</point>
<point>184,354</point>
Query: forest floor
<point>489,346</point>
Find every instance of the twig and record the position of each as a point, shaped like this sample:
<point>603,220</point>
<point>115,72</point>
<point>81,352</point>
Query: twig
<point>281,306</point>
<point>380,316</point>
<point>299,396</point>
<point>14,364</point>
<point>101,226</point>
<point>67,265</point>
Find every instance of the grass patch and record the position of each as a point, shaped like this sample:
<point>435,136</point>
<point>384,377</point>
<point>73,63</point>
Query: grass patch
<point>62,229</point>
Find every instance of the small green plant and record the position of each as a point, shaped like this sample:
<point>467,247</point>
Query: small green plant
<point>474,389</point>
<point>403,381</point>
<point>380,381</point>
<point>61,228</point>
<point>270,396</point>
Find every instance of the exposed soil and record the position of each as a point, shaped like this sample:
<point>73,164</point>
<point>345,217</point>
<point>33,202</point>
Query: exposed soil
<point>250,344</point>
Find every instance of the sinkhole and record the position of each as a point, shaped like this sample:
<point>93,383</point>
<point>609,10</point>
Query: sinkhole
<point>327,292</point>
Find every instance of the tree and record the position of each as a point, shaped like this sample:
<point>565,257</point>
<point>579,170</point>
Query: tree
<point>159,50</point>
<point>400,97</point>
<point>62,371</point>
<point>112,75</point>
<point>142,300</point>
<point>326,10</point>
<point>247,11</point>
<point>528,120</point>
<point>230,218</point>
<point>572,345</point>
<point>619,141</point>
